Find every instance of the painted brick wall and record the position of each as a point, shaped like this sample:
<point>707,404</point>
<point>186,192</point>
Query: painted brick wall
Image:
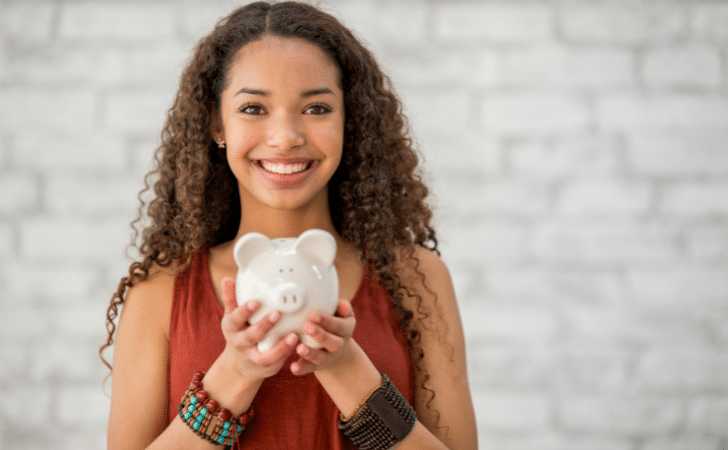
<point>578,152</point>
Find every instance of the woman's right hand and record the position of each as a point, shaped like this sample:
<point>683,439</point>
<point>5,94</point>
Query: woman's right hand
<point>236,375</point>
<point>242,338</point>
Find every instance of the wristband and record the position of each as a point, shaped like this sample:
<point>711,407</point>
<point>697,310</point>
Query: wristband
<point>382,421</point>
<point>205,417</point>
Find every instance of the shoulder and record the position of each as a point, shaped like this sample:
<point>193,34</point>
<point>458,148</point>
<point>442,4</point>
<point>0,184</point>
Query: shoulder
<point>143,332</point>
<point>148,302</point>
<point>159,282</point>
<point>430,295</point>
<point>426,278</point>
<point>431,265</point>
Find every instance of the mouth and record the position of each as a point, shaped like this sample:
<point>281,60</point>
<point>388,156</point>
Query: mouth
<point>286,173</point>
<point>282,168</point>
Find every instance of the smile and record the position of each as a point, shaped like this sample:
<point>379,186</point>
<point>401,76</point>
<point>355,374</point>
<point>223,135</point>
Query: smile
<point>285,168</point>
<point>286,173</point>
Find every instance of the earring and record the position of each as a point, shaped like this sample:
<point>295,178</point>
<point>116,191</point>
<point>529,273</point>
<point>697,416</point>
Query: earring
<point>221,143</point>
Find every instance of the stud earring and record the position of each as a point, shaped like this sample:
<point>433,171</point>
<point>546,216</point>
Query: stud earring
<point>221,143</point>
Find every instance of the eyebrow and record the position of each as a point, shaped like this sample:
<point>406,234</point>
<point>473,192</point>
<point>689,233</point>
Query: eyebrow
<point>319,91</point>
<point>309,93</point>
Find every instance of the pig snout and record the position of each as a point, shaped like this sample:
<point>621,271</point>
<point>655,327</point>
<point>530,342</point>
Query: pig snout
<point>290,297</point>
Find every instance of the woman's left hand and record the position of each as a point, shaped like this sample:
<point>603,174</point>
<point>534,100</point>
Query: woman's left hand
<point>333,333</point>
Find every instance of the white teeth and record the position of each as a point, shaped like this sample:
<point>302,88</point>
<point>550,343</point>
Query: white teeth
<point>284,169</point>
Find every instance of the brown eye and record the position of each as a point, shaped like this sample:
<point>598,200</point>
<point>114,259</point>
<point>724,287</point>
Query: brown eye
<point>318,109</point>
<point>252,109</point>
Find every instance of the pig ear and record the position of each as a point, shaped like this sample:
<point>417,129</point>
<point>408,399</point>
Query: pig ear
<point>249,246</point>
<point>317,243</point>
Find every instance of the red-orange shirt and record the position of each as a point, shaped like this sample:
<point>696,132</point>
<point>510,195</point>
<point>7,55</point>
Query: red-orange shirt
<point>291,412</point>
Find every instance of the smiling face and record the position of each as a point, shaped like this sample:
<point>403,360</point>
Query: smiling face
<point>282,120</point>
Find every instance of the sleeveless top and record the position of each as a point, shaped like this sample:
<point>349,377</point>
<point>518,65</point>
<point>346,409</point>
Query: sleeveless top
<point>291,411</point>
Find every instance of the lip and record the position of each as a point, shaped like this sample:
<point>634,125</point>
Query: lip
<point>285,180</point>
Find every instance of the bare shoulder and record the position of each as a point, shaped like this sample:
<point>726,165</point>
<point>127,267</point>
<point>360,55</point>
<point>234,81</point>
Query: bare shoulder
<point>159,278</point>
<point>428,279</point>
<point>426,260</point>
<point>150,300</point>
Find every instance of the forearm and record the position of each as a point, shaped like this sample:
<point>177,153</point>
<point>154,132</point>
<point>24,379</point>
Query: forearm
<point>228,389</point>
<point>225,385</point>
<point>350,382</point>
<point>179,435</point>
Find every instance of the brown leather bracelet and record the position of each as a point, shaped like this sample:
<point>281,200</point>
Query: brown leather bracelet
<point>383,421</point>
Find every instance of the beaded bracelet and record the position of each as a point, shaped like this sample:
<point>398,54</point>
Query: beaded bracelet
<point>382,421</point>
<point>205,417</point>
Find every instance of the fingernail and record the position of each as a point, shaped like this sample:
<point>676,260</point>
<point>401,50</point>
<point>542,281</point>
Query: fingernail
<point>252,305</point>
<point>291,339</point>
<point>274,316</point>
<point>309,329</point>
<point>316,317</point>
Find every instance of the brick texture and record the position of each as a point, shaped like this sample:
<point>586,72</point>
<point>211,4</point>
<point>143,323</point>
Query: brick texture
<point>578,157</point>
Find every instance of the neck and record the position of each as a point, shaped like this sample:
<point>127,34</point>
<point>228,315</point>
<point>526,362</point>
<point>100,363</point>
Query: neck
<point>283,224</point>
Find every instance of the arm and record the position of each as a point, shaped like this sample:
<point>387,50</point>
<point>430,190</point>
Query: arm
<point>444,346</point>
<point>140,393</point>
<point>139,383</point>
<point>348,375</point>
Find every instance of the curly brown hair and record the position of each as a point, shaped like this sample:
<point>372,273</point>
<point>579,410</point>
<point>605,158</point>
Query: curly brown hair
<point>376,196</point>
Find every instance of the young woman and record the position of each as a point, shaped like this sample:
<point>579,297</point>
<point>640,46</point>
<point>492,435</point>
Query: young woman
<point>283,122</point>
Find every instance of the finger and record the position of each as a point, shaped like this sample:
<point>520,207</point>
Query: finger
<point>228,295</point>
<point>301,367</point>
<point>237,319</point>
<point>344,309</point>
<point>282,350</point>
<point>311,355</point>
<point>328,341</point>
<point>340,326</point>
<point>255,333</point>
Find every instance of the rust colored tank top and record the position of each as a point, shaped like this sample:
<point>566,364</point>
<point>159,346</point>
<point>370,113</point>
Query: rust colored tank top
<point>292,412</point>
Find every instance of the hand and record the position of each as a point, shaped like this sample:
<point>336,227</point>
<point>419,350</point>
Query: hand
<point>242,338</point>
<point>333,333</point>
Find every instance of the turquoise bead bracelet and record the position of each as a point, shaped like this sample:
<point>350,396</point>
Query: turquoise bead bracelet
<point>205,417</point>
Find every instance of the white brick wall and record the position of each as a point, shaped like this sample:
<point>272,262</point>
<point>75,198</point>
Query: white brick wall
<point>495,22</point>
<point>578,152</point>
<point>122,21</point>
<point>697,66</point>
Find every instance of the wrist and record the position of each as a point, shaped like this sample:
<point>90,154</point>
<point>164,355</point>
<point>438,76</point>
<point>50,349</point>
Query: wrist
<point>207,419</point>
<point>351,380</point>
<point>342,361</point>
<point>231,389</point>
<point>383,419</point>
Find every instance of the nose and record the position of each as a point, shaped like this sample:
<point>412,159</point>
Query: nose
<point>285,133</point>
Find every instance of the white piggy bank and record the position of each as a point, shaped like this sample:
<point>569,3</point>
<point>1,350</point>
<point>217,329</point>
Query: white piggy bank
<point>294,276</point>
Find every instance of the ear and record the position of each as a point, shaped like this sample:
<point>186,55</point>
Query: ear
<point>216,129</point>
<point>250,246</point>
<point>317,243</point>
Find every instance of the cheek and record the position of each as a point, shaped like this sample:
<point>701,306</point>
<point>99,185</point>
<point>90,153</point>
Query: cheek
<point>334,144</point>
<point>240,140</point>
<point>335,137</point>
<point>236,158</point>
<point>233,153</point>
